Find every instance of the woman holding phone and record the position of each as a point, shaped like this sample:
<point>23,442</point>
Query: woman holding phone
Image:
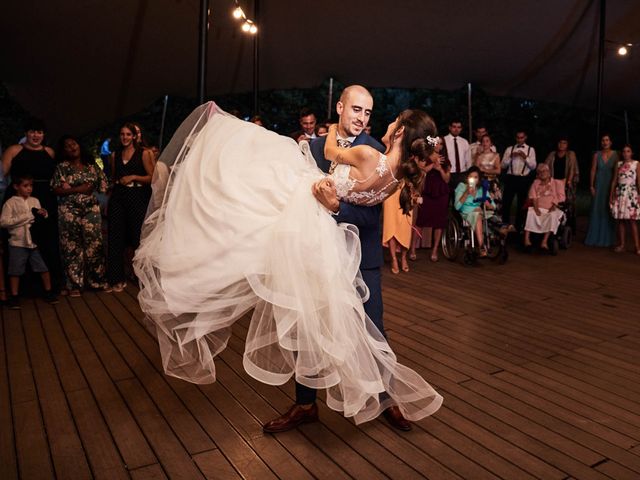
<point>468,201</point>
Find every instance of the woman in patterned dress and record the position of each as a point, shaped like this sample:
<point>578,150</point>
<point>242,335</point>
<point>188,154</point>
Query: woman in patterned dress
<point>624,200</point>
<point>75,181</point>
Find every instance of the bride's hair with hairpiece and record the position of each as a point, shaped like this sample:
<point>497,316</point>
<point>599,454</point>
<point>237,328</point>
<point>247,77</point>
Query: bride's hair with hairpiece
<point>417,144</point>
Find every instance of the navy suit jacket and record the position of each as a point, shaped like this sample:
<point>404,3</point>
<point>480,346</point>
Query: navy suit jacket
<point>367,219</point>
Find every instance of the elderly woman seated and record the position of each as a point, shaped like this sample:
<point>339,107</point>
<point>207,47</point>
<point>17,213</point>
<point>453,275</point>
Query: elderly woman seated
<point>544,216</point>
<point>469,201</point>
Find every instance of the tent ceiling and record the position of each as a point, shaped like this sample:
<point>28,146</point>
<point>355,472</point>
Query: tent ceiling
<point>81,64</point>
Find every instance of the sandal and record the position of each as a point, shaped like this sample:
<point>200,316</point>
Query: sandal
<point>619,249</point>
<point>434,258</point>
<point>394,267</point>
<point>405,265</point>
<point>413,257</point>
<point>119,287</point>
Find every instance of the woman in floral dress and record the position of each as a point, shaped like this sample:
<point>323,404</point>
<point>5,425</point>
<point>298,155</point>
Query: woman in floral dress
<point>74,181</point>
<point>624,201</point>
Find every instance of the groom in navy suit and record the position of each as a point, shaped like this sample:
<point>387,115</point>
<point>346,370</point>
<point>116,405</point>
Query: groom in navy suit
<point>354,110</point>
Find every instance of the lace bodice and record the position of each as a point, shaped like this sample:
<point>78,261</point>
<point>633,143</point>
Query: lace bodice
<point>370,191</point>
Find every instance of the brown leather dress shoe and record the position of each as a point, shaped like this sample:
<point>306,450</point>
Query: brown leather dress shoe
<point>396,419</point>
<point>295,416</point>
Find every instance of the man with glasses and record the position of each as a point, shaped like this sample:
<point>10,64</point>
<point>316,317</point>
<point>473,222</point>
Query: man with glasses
<point>518,161</point>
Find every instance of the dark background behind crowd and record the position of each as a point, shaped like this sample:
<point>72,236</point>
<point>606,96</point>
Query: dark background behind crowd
<point>543,121</point>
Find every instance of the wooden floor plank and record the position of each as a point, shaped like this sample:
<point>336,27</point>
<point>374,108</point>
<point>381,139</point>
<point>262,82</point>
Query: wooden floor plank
<point>239,453</point>
<point>8,461</point>
<point>183,424</point>
<point>67,452</point>
<point>126,433</point>
<point>106,462</point>
<point>174,458</point>
<point>33,455</point>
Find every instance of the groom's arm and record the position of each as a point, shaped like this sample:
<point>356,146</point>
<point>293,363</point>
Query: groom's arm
<point>325,193</point>
<point>358,215</point>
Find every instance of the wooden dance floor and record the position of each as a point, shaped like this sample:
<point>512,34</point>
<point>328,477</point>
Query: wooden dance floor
<point>538,362</point>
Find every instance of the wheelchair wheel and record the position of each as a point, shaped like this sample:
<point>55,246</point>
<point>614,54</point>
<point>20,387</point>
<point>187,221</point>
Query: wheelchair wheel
<point>566,238</point>
<point>469,258</point>
<point>494,246</point>
<point>452,239</point>
<point>504,256</point>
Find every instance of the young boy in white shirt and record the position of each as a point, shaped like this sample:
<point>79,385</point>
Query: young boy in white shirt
<point>18,214</point>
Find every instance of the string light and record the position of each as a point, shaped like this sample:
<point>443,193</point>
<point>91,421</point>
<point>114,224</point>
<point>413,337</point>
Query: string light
<point>248,25</point>
<point>623,49</point>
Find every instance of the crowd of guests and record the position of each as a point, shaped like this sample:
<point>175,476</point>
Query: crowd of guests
<point>483,186</point>
<point>55,222</point>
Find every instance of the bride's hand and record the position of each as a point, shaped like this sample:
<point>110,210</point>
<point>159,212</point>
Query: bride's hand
<point>325,192</point>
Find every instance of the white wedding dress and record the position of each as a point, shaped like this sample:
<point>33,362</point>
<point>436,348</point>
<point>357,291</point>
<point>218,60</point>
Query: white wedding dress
<point>233,227</point>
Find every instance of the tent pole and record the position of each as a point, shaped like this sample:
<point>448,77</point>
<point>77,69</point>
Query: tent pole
<point>626,126</point>
<point>203,28</point>
<point>469,112</point>
<point>164,117</point>
<point>603,12</point>
<point>256,59</point>
<point>330,101</point>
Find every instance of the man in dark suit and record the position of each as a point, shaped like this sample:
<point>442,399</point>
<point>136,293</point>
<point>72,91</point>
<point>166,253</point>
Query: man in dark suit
<point>354,110</point>
<point>308,122</point>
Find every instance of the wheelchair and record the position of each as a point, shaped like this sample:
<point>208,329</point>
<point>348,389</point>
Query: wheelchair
<point>565,232</point>
<point>460,239</point>
<point>561,240</point>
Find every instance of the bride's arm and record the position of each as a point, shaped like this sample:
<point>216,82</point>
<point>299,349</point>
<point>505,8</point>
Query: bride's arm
<point>355,156</point>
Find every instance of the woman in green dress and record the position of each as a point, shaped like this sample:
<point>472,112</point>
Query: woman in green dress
<point>601,231</point>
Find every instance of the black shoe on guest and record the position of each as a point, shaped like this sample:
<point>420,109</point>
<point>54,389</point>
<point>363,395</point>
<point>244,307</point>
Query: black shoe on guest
<point>294,417</point>
<point>13,303</point>
<point>51,298</point>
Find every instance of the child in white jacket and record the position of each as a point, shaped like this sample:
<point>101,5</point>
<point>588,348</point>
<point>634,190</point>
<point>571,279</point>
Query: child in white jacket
<point>18,214</point>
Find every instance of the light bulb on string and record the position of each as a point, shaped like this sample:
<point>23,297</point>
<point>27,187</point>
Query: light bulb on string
<point>253,29</point>
<point>622,51</point>
<point>246,26</point>
<point>238,13</point>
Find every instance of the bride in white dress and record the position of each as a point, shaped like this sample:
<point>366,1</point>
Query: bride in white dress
<point>234,227</point>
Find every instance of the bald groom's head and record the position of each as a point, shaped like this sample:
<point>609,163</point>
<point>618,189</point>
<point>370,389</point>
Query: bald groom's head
<point>354,109</point>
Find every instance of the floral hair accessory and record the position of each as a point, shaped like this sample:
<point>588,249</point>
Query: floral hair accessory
<point>433,141</point>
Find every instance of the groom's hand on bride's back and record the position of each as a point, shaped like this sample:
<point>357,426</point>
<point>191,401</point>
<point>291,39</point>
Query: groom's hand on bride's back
<point>325,193</point>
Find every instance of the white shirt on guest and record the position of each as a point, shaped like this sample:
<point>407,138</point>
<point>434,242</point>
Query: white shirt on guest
<point>463,152</point>
<point>514,164</point>
<point>17,218</point>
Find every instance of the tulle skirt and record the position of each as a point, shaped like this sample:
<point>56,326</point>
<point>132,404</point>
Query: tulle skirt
<point>238,230</point>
